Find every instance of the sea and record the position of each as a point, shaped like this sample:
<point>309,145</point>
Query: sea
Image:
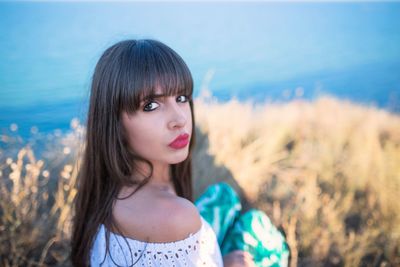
<point>259,51</point>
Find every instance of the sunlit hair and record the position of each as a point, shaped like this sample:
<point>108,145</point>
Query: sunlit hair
<point>125,74</point>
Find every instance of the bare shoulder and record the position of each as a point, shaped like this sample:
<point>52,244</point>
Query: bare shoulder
<point>157,219</point>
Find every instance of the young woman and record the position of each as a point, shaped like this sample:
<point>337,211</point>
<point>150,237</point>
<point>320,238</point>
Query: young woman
<point>135,204</point>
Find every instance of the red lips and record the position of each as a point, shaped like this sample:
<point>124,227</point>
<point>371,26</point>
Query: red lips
<point>180,142</point>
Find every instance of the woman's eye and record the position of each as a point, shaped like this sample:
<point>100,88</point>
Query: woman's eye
<point>147,107</point>
<point>186,98</point>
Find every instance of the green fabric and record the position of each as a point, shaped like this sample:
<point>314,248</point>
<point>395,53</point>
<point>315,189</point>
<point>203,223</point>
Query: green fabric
<point>252,231</point>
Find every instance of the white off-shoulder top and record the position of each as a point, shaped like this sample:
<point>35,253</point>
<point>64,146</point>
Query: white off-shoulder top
<point>198,249</point>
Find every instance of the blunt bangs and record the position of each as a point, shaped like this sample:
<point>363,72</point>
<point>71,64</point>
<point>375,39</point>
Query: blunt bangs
<point>153,65</point>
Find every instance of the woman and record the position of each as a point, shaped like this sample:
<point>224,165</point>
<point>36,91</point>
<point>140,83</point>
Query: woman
<point>135,202</point>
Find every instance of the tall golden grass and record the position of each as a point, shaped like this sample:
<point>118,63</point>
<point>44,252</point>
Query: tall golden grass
<point>327,173</point>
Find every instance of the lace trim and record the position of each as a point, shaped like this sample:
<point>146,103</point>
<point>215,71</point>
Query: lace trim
<point>200,246</point>
<point>129,251</point>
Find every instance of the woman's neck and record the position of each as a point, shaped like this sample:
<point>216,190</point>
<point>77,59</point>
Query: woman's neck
<point>160,181</point>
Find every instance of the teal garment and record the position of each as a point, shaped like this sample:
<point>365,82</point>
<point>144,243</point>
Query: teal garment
<point>252,231</point>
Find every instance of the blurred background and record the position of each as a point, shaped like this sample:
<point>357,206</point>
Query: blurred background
<point>305,95</point>
<point>258,50</point>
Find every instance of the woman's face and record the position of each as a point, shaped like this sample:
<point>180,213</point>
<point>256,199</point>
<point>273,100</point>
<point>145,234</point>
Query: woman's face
<point>157,123</point>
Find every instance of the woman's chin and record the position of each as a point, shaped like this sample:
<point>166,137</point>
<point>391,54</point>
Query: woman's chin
<point>179,158</point>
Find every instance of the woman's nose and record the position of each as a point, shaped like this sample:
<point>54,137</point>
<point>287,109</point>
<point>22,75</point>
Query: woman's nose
<point>178,115</point>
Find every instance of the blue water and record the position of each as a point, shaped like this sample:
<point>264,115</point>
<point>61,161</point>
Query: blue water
<point>253,50</point>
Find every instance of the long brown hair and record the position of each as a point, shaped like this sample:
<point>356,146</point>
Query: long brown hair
<point>126,72</point>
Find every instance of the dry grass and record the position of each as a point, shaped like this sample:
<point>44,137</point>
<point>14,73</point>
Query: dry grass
<point>327,173</point>
<point>36,198</point>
